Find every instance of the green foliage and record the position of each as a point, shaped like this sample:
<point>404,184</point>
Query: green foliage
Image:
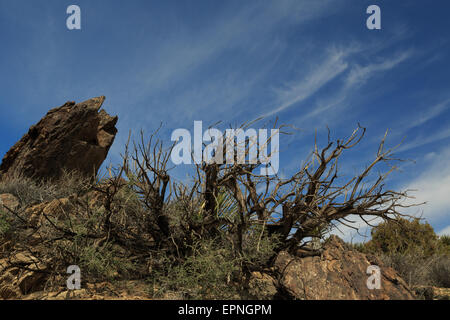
<point>403,237</point>
<point>359,246</point>
<point>99,259</point>
<point>205,274</point>
<point>413,249</point>
<point>4,224</point>
<point>213,269</point>
<point>226,206</point>
<point>259,247</point>
<point>106,262</point>
<point>444,242</point>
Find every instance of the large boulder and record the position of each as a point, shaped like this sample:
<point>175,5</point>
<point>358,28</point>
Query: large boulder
<point>71,137</point>
<point>339,273</point>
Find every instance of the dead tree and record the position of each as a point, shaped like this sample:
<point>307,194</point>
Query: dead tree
<point>147,171</point>
<point>311,201</point>
<point>295,210</point>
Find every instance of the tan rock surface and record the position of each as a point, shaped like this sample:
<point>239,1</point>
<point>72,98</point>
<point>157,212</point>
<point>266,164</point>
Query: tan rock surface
<point>339,273</point>
<point>71,137</point>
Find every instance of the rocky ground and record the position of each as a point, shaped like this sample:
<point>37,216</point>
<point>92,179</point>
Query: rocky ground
<point>339,272</point>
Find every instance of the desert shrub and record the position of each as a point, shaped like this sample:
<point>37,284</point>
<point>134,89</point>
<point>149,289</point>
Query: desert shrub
<point>403,237</point>
<point>205,274</point>
<point>444,242</point>
<point>104,263</point>
<point>413,249</point>
<point>29,191</point>
<point>213,269</point>
<point>202,239</point>
<point>75,233</point>
<point>79,241</point>
<point>415,270</point>
<point>439,273</point>
<point>358,246</point>
<point>97,263</point>
<point>259,247</point>
<point>419,271</point>
<point>4,224</point>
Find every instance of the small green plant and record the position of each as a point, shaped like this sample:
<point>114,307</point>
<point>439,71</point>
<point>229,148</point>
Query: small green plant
<point>213,269</point>
<point>106,262</point>
<point>259,247</point>
<point>207,273</point>
<point>4,224</point>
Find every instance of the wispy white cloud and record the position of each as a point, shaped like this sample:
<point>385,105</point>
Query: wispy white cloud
<point>178,63</point>
<point>425,139</point>
<point>360,74</point>
<point>328,69</point>
<point>428,113</point>
<point>179,56</point>
<point>433,186</point>
<point>330,109</point>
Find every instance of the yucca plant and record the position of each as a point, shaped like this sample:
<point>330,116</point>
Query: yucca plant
<point>226,206</point>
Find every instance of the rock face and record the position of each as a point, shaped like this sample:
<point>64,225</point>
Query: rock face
<point>9,200</point>
<point>339,273</point>
<point>72,137</point>
<point>18,276</point>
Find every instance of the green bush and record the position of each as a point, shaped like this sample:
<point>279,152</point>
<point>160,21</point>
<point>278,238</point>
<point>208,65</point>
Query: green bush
<point>259,247</point>
<point>403,237</point>
<point>206,274</point>
<point>4,224</point>
<point>444,242</point>
<point>213,269</point>
<point>413,249</point>
<point>104,263</point>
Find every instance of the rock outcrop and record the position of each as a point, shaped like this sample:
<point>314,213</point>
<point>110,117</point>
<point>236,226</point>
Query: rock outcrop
<point>338,274</point>
<point>70,137</point>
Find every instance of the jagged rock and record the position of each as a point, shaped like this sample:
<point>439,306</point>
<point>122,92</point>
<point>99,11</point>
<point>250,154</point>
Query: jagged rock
<point>71,137</point>
<point>21,274</point>
<point>52,209</point>
<point>31,281</point>
<point>262,286</point>
<point>432,293</point>
<point>9,200</point>
<point>23,258</point>
<point>8,292</point>
<point>339,273</point>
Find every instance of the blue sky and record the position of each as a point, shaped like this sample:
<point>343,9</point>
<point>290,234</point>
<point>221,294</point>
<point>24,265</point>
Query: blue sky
<point>312,64</point>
